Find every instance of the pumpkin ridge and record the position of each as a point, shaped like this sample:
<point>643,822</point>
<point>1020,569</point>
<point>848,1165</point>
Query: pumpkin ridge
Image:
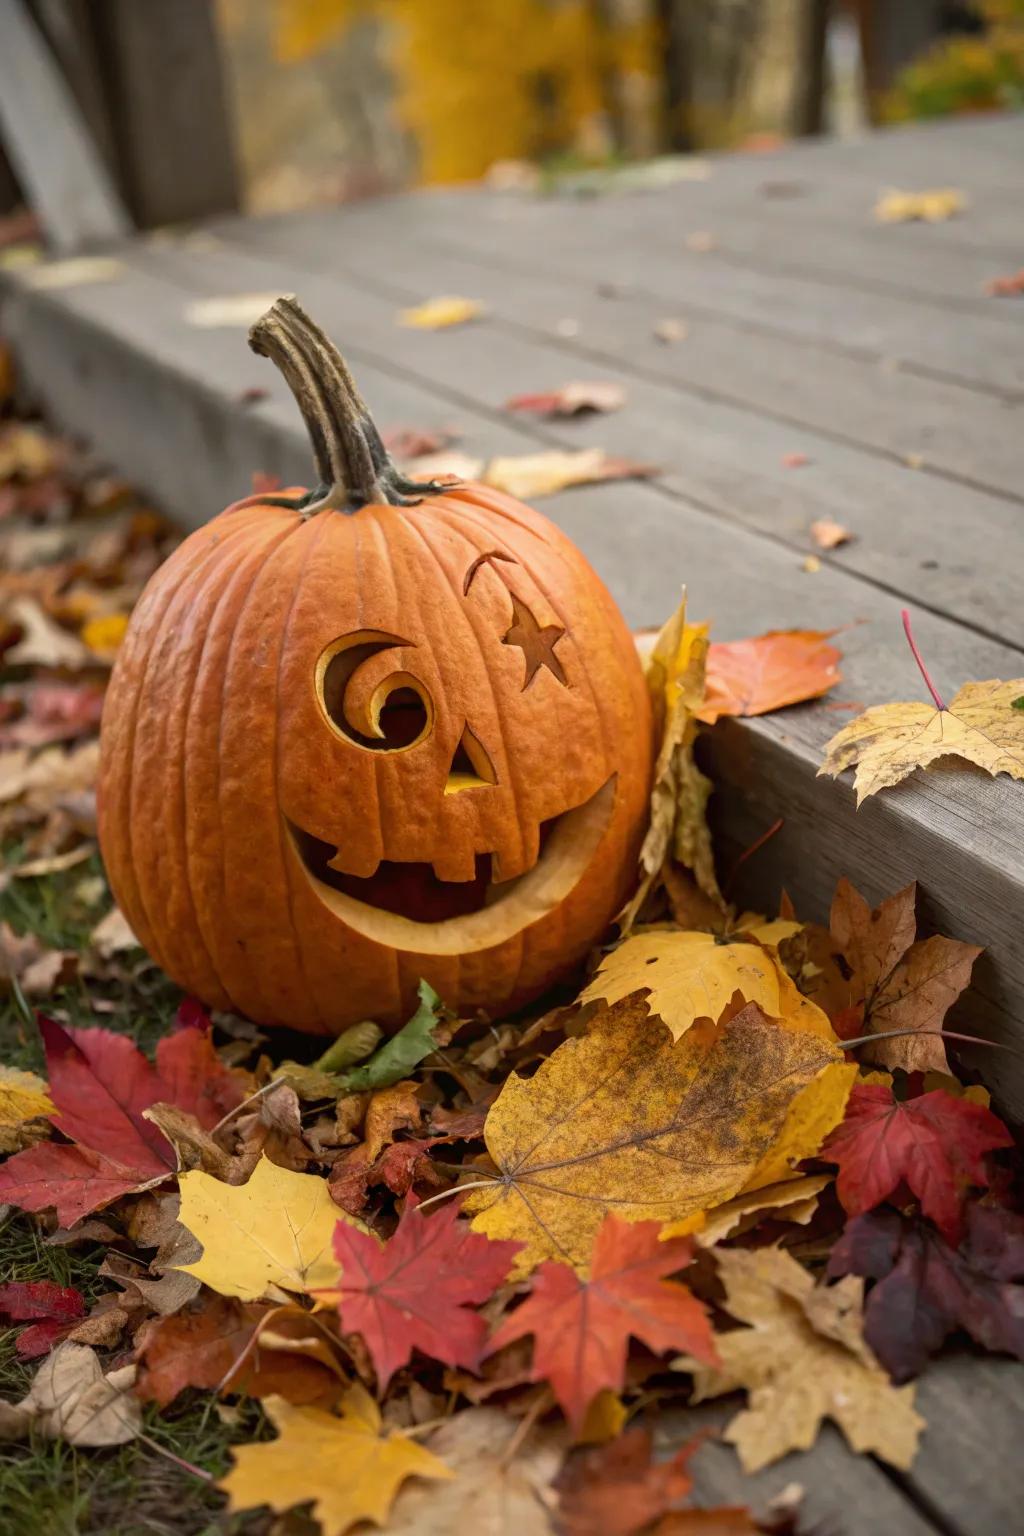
<point>212,558</point>
<point>544,586</point>
<point>276,538</point>
<point>468,613</point>
<point>315,539</point>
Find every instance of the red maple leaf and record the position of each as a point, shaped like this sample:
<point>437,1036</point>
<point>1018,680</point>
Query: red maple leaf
<point>581,1327</point>
<point>934,1144</point>
<point>52,1309</point>
<point>414,1291</point>
<point>101,1083</point>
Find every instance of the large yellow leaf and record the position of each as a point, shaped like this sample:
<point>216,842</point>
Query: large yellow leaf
<point>274,1231</point>
<point>675,677</point>
<point>23,1098</point>
<point>984,724</point>
<point>692,976</point>
<point>802,1359</point>
<point>621,1119</point>
<point>349,1470</point>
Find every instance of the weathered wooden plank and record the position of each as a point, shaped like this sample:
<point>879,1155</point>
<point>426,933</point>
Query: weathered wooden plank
<point>980,350</point>
<point>844,1494</point>
<point>48,143</point>
<point>165,402</point>
<point>731,461</point>
<point>969,1469</point>
<point>866,400</point>
<point>967,1477</point>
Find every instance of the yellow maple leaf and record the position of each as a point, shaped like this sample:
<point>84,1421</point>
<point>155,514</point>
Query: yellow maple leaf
<point>343,1464</point>
<point>273,1232</point>
<point>622,1119</point>
<point>802,1359</point>
<point>675,668</point>
<point>531,475</point>
<point>695,975</point>
<point>889,741</point>
<point>438,314</point>
<point>23,1098</point>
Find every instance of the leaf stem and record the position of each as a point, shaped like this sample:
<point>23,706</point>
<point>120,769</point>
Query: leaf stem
<point>456,1189</point>
<point>943,1034</point>
<point>936,695</point>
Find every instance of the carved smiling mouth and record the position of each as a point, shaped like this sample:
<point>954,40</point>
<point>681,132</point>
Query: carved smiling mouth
<point>405,906</point>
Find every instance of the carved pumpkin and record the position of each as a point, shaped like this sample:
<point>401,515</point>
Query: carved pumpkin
<point>368,734</point>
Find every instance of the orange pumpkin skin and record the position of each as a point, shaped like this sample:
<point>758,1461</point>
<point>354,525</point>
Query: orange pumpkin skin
<point>370,734</point>
<point>258,817</point>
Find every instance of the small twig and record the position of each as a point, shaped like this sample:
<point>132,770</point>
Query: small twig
<point>275,1082</point>
<point>539,1406</point>
<point>936,695</point>
<point>179,1461</point>
<point>457,1189</point>
<point>755,847</point>
<point>944,1034</point>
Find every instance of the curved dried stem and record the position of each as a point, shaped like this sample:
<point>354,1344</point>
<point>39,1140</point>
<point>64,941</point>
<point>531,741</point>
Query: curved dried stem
<point>352,464</point>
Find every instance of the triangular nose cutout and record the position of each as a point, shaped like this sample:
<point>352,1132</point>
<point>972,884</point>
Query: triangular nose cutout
<point>471,768</point>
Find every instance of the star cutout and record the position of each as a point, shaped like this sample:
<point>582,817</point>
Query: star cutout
<point>537,644</point>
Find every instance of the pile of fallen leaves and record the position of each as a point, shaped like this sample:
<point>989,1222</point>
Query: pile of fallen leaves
<point>467,1269</point>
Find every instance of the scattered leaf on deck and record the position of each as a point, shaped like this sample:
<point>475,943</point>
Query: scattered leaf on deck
<point>438,314</point>
<point>769,672</point>
<point>828,534</point>
<point>932,207</point>
<point>574,399</point>
<point>889,741</point>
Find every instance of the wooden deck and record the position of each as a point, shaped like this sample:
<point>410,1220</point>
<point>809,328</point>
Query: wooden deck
<point>811,329</point>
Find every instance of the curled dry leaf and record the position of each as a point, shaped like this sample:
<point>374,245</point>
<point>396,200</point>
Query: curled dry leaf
<point>272,1233</point>
<point>678,825</point>
<point>499,1485</point>
<point>582,1326</point>
<point>623,1119</point>
<point>802,1359</point>
<point>43,643</point>
<point>71,1399</point>
<point>301,1465</point>
<point>769,672</point>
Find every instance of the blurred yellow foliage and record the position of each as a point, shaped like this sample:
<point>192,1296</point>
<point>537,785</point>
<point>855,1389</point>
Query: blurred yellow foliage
<point>477,84</point>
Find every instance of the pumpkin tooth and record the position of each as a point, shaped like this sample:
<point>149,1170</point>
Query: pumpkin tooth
<point>455,865</point>
<point>344,866</point>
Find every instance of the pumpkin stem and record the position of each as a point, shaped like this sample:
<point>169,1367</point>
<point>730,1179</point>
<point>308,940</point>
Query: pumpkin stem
<point>352,464</point>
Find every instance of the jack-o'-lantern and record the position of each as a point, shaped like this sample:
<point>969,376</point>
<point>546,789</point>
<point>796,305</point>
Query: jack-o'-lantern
<point>371,733</point>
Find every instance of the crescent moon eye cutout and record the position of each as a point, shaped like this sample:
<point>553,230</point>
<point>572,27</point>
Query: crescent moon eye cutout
<point>398,715</point>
